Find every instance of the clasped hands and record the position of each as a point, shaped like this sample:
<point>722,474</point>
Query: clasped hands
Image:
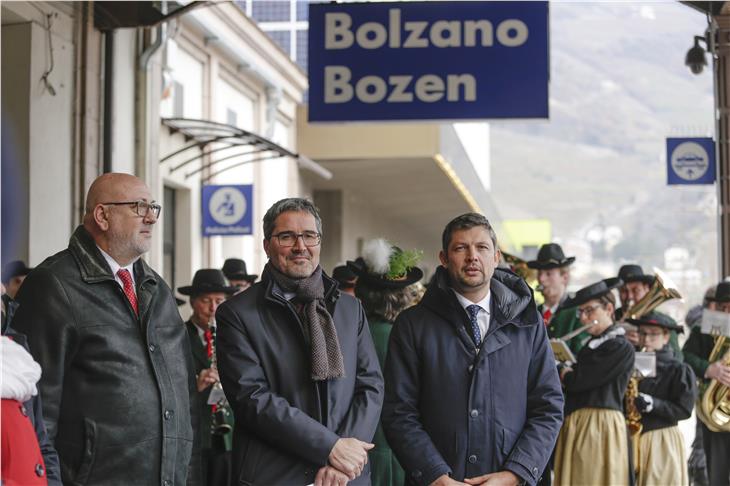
<point>501,478</point>
<point>346,462</point>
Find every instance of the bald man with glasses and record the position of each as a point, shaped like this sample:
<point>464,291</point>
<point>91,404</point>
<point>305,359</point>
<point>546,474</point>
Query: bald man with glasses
<point>117,368</point>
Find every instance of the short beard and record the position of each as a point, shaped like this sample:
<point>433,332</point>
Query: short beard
<point>125,248</point>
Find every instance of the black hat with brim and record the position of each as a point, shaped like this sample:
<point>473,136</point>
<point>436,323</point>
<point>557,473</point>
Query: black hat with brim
<point>634,273</point>
<point>381,281</point>
<point>208,281</point>
<point>344,275</point>
<point>16,268</point>
<point>656,319</point>
<point>235,269</point>
<point>722,293</point>
<point>593,291</point>
<point>550,256</point>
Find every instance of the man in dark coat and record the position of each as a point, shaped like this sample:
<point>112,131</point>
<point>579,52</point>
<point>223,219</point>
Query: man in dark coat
<point>472,392</point>
<point>117,370</point>
<point>298,365</point>
<point>209,290</point>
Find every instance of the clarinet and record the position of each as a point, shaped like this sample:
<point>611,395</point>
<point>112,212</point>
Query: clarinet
<point>219,411</point>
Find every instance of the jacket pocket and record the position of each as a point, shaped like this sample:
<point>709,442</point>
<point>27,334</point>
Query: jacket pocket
<point>88,454</point>
<point>250,463</point>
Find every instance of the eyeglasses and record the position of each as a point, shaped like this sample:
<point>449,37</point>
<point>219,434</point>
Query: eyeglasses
<point>289,238</point>
<point>588,310</point>
<point>650,334</point>
<point>142,208</point>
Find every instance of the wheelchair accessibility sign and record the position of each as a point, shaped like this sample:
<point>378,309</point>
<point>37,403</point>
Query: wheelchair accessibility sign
<point>690,161</point>
<point>227,210</point>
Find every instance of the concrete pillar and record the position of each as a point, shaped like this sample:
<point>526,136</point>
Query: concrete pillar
<point>722,100</point>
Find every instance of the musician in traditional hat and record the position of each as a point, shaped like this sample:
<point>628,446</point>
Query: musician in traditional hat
<point>636,285</point>
<point>592,446</point>
<point>208,290</point>
<point>346,279</point>
<point>235,271</point>
<point>385,275</point>
<point>663,401</point>
<point>697,351</point>
<point>553,276</point>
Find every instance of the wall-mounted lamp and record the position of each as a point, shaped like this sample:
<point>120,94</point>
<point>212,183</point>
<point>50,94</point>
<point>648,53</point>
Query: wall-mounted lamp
<point>695,59</point>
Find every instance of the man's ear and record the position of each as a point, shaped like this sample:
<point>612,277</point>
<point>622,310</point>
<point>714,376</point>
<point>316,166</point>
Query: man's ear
<point>266,247</point>
<point>101,218</point>
<point>443,258</point>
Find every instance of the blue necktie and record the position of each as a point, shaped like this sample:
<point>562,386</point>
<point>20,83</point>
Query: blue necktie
<point>473,311</point>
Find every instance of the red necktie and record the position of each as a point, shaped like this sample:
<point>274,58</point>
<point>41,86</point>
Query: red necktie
<point>546,316</point>
<point>126,279</point>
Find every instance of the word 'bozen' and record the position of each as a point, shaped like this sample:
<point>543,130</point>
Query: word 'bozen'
<point>339,86</point>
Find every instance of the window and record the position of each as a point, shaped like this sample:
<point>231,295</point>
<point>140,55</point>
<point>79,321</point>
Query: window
<point>231,117</point>
<point>282,39</point>
<point>270,10</point>
<point>168,237</point>
<point>302,44</point>
<point>302,9</point>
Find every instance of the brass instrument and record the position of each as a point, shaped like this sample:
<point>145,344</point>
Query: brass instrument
<point>713,407</point>
<point>662,290</point>
<point>219,411</point>
<point>519,266</point>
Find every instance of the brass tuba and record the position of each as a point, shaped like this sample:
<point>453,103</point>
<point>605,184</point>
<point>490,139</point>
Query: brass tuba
<point>519,266</point>
<point>713,407</point>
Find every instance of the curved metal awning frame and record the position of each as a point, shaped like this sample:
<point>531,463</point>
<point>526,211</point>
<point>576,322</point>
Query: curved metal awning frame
<point>207,137</point>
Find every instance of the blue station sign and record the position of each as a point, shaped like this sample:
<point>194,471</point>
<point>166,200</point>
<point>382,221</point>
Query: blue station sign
<point>428,60</point>
<point>227,210</point>
<point>690,161</point>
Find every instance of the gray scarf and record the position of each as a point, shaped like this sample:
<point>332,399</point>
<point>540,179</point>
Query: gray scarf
<point>327,360</point>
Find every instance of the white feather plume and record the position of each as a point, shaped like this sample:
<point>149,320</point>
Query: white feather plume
<point>376,254</point>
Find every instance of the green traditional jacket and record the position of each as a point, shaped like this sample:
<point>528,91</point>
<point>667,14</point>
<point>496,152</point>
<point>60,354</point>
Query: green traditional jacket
<point>384,467</point>
<point>564,321</point>
<point>697,350</point>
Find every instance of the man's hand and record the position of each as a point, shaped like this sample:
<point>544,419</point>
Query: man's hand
<point>720,372</point>
<point>446,480</point>
<point>329,476</point>
<point>501,478</point>
<point>350,456</point>
<point>206,378</point>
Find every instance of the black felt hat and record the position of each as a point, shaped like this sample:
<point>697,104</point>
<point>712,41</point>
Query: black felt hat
<point>207,281</point>
<point>550,256</point>
<point>235,269</point>
<point>592,291</point>
<point>722,292</point>
<point>656,319</point>
<point>343,275</point>
<point>634,273</point>
<point>412,276</point>
<point>16,268</point>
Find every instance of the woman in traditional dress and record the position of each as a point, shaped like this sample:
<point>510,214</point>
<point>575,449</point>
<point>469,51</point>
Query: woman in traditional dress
<point>592,446</point>
<point>663,401</point>
<point>385,285</point>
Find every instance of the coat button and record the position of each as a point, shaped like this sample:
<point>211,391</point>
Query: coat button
<point>535,471</point>
<point>23,411</point>
<point>416,474</point>
<point>471,368</point>
<point>472,459</point>
<point>39,470</point>
<point>166,483</point>
<point>168,414</point>
<point>152,348</point>
<point>474,413</point>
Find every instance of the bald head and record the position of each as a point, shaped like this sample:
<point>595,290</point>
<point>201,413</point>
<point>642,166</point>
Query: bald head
<point>117,228</point>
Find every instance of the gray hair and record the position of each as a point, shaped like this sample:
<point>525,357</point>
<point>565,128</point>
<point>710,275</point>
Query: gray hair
<point>289,204</point>
<point>465,222</point>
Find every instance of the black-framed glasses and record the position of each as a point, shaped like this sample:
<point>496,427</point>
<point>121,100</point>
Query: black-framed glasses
<point>142,208</point>
<point>587,310</point>
<point>289,238</point>
<point>652,334</point>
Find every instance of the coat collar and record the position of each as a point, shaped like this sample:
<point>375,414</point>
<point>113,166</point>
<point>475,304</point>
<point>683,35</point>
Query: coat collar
<point>93,266</point>
<point>272,292</point>
<point>512,300</point>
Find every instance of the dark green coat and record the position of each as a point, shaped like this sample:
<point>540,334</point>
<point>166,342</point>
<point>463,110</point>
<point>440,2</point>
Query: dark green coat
<point>384,469</point>
<point>201,362</point>
<point>563,322</point>
<point>697,350</point>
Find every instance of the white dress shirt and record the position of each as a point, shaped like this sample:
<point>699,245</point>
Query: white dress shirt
<point>484,314</point>
<point>116,267</point>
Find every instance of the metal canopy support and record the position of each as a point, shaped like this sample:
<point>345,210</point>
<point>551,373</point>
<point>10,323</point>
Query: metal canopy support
<point>204,133</point>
